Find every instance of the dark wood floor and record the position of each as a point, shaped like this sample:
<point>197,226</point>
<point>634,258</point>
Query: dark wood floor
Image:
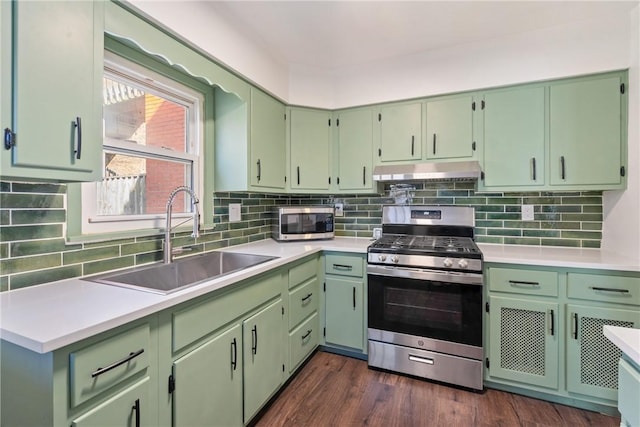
<point>333,390</point>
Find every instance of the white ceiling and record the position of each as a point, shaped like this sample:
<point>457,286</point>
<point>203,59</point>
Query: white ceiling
<point>331,35</point>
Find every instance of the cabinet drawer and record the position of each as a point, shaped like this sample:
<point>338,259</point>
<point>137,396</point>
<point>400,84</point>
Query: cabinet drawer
<point>198,320</point>
<point>302,341</point>
<point>100,366</point>
<point>600,287</point>
<point>303,301</point>
<point>119,410</point>
<point>344,265</point>
<point>531,282</point>
<point>629,392</point>
<point>303,272</point>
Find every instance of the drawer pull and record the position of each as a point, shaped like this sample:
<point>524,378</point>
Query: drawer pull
<point>342,267</point>
<point>520,282</point>
<point>114,365</point>
<point>305,336</point>
<point>307,297</point>
<point>622,291</point>
<point>425,360</point>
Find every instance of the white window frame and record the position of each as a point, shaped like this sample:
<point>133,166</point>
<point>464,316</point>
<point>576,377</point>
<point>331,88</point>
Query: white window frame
<point>157,84</point>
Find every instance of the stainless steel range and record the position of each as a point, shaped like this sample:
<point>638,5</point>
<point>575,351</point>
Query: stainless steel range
<point>425,295</point>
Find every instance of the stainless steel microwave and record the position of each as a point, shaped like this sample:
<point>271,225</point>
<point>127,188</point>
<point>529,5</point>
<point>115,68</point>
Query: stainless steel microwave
<point>303,223</point>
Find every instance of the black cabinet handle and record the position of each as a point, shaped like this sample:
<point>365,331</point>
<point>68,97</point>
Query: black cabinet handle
<point>254,339</point>
<point>520,282</point>
<point>136,409</point>
<point>259,170</point>
<point>305,336</point>
<point>562,168</point>
<point>533,164</point>
<point>413,139</point>
<point>354,297</point>
<point>434,143</point>
<point>622,291</point>
<point>364,175</point>
<point>234,354</point>
<point>298,171</point>
<point>307,297</point>
<point>9,139</point>
<point>114,365</point>
<point>78,125</point>
<point>552,323</point>
<point>342,267</point>
<point>574,326</point>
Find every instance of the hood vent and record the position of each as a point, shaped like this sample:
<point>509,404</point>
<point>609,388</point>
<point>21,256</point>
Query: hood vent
<point>445,171</point>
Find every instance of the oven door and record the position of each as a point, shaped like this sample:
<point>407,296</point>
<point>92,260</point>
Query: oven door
<point>437,305</point>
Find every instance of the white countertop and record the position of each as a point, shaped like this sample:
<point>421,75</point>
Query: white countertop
<point>627,340</point>
<point>551,256</point>
<point>47,317</point>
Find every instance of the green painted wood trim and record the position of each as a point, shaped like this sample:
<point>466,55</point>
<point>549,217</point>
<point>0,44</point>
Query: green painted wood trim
<point>122,22</point>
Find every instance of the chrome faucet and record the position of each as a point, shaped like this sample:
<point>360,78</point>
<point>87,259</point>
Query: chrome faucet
<point>168,255</point>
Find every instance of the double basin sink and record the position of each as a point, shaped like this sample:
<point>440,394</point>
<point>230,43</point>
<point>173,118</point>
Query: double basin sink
<point>167,278</point>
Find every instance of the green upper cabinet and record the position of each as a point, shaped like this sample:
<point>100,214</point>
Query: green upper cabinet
<point>353,157</point>
<point>514,137</point>
<point>450,128</point>
<point>56,90</point>
<point>249,141</point>
<point>267,133</point>
<point>309,141</point>
<point>587,131</point>
<point>400,132</point>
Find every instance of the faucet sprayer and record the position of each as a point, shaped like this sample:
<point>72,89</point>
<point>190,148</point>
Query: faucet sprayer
<point>167,231</point>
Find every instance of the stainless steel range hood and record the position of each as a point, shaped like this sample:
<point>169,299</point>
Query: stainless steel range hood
<point>440,171</point>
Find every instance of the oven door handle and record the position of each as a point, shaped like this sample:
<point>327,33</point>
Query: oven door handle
<point>420,274</point>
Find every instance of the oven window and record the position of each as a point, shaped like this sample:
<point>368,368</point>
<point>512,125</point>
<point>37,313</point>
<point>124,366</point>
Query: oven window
<point>306,223</point>
<point>417,307</point>
<point>424,308</point>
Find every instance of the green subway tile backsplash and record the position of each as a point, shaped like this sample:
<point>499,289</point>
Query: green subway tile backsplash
<point>32,220</point>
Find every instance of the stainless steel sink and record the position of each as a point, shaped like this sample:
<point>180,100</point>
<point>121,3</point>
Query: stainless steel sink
<point>166,278</point>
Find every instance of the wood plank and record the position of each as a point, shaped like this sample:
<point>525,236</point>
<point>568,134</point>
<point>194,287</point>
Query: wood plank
<point>334,390</point>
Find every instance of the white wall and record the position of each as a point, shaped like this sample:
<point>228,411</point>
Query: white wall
<point>621,229</point>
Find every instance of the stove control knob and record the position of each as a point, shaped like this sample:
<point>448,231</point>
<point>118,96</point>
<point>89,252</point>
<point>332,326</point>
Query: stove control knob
<point>463,263</point>
<point>448,262</point>
<point>382,258</point>
<point>395,259</point>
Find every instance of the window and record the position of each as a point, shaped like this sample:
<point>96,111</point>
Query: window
<point>152,143</point>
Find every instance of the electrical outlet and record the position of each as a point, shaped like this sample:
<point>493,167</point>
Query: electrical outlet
<point>527,212</point>
<point>234,212</point>
<point>339,209</point>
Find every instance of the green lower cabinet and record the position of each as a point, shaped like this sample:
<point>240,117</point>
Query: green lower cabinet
<point>592,360</point>
<point>524,341</point>
<point>344,315</point>
<point>264,356</point>
<point>209,380</point>
<point>130,408</point>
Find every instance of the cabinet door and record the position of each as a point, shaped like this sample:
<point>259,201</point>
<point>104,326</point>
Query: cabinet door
<point>267,163</point>
<point>585,132</point>
<point>592,360</point>
<point>355,150</point>
<point>209,383</point>
<point>400,132</point>
<point>523,342</point>
<point>309,150</point>
<point>514,138</point>
<point>129,408</point>
<point>450,128</point>
<point>344,312</point>
<point>264,356</point>
<point>57,69</point>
